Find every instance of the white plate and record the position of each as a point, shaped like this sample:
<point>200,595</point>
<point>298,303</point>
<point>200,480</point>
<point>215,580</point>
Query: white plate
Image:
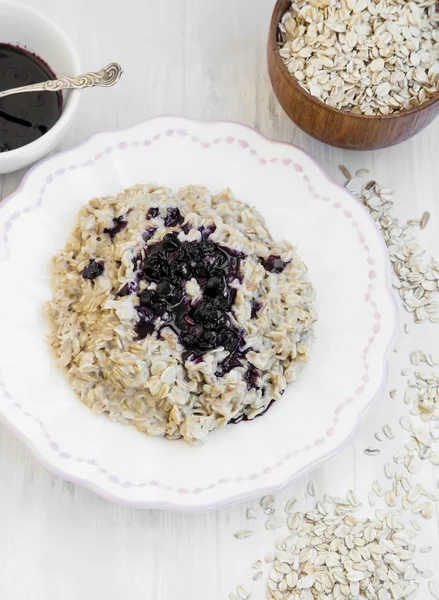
<point>347,263</point>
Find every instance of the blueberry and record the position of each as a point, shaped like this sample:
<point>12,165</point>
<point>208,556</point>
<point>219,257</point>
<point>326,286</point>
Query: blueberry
<point>93,270</point>
<point>208,340</point>
<point>208,247</point>
<point>171,242</point>
<point>155,269</point>
<point>159,307</point>
<point>168,290</point>
<point>215,286</point>
<point>173,218</point>
<point>146,297</point>
<point>202,312</point>
<point>127,289</point>
<point>142,328</point>
<point>165,288</point>
<point>145,314</point>
<point>152,213</point>
<point>181,269</point>
<point>201,270</point>
<point>188,340</point>
<point>229,339</point>
<point>217,319</point>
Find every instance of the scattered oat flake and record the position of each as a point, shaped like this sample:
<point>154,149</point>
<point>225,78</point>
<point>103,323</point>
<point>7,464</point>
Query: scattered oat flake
<point>311,488</point>
<point>424,220</point>
<point>243,593</point>
<point>345,172</point>
<point>267,501</point>
<point>433,587</point>
<point>377,488</point>
<point>362,172</point>
<point>274,523</point>
<point>425,549</point>
<point>257,564</point>
<point>392,393</point>
<point>257,576</point>
<point>388,432</point>
<point>245,533</point>
<point>372,451</point>
<point>390,498</point>
<point>250,513</point>
<point>269,557</point>
<point>233,596</point>
<point>416,357</point>
<point>289,506</point>
<point>406,423</point>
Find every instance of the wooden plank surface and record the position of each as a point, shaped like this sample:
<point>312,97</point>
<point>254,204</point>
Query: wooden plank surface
<point>204,59</point>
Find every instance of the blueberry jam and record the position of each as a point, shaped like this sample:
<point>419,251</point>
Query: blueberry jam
<point>93,270</point>
<point>119,225</point>
<point>173,218</point>
<point>255,308</point>
<point>25,117</point>
<point>243,417</point>
<point>273,264</point>
<point>205,325</point>
<point>152,213</point>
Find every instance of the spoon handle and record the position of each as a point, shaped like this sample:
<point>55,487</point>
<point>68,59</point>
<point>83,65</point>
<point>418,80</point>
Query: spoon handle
<point>106,77</point>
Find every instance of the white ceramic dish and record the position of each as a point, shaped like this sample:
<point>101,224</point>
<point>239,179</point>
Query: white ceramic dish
<point>27,28</point>
<point>316,417</point>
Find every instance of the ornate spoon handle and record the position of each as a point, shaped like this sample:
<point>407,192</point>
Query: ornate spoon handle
<point>106,77</point>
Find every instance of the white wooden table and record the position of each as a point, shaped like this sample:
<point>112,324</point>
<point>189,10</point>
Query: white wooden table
<point>203,59</point>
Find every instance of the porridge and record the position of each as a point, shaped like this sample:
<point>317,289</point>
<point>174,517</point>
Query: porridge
<point>178,313</point>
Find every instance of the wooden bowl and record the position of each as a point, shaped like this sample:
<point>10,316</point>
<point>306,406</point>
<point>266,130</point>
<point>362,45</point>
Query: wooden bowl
<point>333,126</point>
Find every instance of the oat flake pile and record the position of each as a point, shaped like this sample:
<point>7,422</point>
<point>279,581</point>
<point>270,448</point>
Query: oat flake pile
<point>363,56</point>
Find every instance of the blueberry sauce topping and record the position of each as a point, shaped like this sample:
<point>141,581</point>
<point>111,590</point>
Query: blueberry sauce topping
<point>173,218</point>
<point>128,289</point>
<point>93,270</point>
<point>252,377</point>
<point>152,213</point>
<point>243,417</point>
<point>202,326</point>
<point>273,264</point>
<point>148,233</point>
<point>119,225</point>
<point>255,308</point>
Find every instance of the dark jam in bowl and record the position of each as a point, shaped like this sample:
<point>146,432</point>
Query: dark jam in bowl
<point>25,117</point>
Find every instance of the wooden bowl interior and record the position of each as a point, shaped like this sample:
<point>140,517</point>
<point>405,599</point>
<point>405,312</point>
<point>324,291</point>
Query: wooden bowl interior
<point>333,126</point>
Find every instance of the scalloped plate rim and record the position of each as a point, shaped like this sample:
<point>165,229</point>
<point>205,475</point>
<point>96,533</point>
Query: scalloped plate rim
<point>171,500</point>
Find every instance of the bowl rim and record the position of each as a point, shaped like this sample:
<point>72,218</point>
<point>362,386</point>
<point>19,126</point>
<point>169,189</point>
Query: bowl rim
<point>70,103</point>
<point>168,500</point>
<point>274,49</point>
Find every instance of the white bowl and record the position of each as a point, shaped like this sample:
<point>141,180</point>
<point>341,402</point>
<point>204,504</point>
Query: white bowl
<point>348,264</point>
<point>29,29</point>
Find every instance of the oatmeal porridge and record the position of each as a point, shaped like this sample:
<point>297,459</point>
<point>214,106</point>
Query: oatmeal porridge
<point>178,313</point>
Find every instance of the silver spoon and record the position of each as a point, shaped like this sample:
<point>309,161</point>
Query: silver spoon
<point>106,77</point>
